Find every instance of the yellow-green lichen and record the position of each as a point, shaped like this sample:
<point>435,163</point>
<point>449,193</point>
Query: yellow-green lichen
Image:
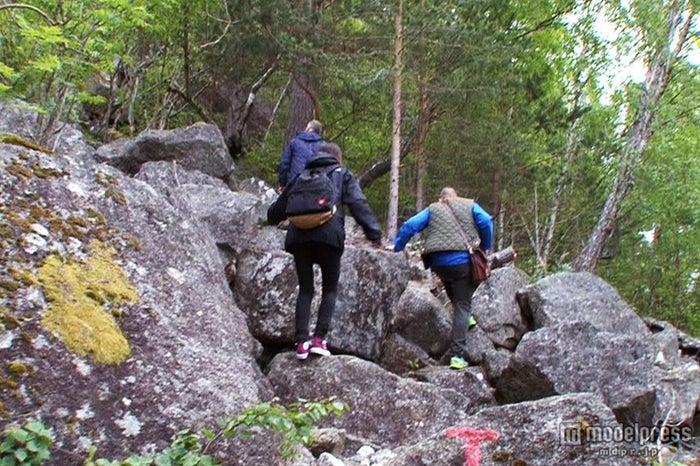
<point>16,368</point>
<point>8,384</point>
<point>96,216</point>
<point>43,172</point>
<point>17,140</point>
<point>9,285</point>
<point>5,231</point>
<point>25,277</point>
<point>78,221</point>
<point>78,293</point>
<point>19,171</point>
<point>116,195</point>
<point>8,320</point>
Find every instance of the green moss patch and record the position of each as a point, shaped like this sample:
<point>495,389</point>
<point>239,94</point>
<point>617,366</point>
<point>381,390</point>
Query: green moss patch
<point>80,296</point>
<point>11,138</point>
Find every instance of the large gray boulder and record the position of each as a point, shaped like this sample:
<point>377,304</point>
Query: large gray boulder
<point>579,297</point>
<point>197,147</point>
<point>185,355</point>
<point>421,318</point>
<point>538,433</point>
<point>371,281</point>
<point>496,309</point>
<point>385,409</point>
<point>401,356</point>
<point>576,357</point>
<point>469,382</point>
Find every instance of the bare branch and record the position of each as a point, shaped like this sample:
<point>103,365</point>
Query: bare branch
<point>278,104</point>
<point>46,17</point>
<point>195,106</point>
<point>251,96</point>
<point>228,23</point>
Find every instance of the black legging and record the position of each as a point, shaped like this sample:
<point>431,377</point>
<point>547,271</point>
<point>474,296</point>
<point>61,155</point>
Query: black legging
<point>460,287</point>
<point>328,258</point>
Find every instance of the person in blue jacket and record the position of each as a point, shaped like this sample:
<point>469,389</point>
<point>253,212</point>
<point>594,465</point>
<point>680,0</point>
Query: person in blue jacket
<point>446,254</point>
<point>323,245</point>
<point>294,157</point>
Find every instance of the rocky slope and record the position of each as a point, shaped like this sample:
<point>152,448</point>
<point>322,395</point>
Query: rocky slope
<point>141,293</point>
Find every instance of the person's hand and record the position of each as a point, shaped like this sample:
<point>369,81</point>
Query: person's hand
<point>386,245</point>
<point>383,244</point>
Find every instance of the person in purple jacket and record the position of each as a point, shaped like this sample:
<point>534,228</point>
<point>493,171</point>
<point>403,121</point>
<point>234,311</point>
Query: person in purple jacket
<point>446,253</point>
<point>294,157</point>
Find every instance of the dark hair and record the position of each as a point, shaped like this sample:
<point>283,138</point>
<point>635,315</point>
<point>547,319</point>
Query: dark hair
<point>333,149</point>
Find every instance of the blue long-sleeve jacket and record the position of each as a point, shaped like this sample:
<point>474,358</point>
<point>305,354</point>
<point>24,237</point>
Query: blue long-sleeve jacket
<point>417,223</point>
<point>295,156</point>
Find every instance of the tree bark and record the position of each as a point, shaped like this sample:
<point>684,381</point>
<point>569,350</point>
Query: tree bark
<point>639,134</point>
<point>423,121</point>
<point>392,215</point>
<point>383,166</point>
<point>304,105</point>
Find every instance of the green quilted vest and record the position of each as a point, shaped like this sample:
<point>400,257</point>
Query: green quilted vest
<point>442,234</point>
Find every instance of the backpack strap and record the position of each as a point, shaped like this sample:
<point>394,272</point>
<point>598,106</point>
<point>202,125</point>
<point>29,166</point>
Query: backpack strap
<point>337,186</point>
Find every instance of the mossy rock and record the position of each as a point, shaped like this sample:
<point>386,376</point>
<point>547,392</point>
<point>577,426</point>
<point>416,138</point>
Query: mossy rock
<point>16,140</point>
<point>78,293</point>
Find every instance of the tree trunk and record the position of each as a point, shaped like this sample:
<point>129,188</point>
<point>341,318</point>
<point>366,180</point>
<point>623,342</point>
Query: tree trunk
<point>304,105</point>
<point>497,210</point>
<point>558,194</point>
<point>392,216</point>
<point>423,120</point>
<point>383,166</point>
<point>639,134</point>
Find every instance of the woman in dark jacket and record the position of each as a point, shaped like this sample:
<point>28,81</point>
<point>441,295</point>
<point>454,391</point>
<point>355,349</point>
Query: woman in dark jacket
<point>323,245</point>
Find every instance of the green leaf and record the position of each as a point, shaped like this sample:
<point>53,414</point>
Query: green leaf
<point>163,460</point>
<point>19,435</point>
<point>190,459</point>
<point>7,446</point>
<point>45,35</point>
<point>47,63</point>
<point>7,71</point>
<point>7,461</point>
<point>21,454</point>
<point>32,446</point>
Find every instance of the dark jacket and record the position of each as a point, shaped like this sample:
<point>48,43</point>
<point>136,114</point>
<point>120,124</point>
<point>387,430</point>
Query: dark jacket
<point>347,193</point>
<point>295,156</point>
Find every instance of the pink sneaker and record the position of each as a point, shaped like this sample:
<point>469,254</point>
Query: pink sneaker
<point>303,350</point>
<point>318,346</point>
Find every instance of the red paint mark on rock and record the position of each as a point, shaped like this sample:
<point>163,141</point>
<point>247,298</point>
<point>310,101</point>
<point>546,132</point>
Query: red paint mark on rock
<point>472,439</point>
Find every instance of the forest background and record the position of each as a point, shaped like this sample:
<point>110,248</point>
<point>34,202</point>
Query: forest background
<point>575,123</point>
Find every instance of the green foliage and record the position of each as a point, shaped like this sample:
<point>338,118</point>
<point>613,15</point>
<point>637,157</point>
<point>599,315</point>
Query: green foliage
<point>26,445</point>
<point>294,422</point>
<point>660,278</point>
<point>186,450</point>
<point>52,51</point>
<point>29,445</point>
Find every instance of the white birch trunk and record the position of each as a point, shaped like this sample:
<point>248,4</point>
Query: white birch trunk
<point>392,215</point>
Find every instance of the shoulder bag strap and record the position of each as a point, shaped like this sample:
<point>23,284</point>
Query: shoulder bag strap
<point>459,226</point>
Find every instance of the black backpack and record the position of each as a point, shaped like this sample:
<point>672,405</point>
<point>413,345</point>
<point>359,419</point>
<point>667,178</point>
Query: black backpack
<point>311,199</point>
